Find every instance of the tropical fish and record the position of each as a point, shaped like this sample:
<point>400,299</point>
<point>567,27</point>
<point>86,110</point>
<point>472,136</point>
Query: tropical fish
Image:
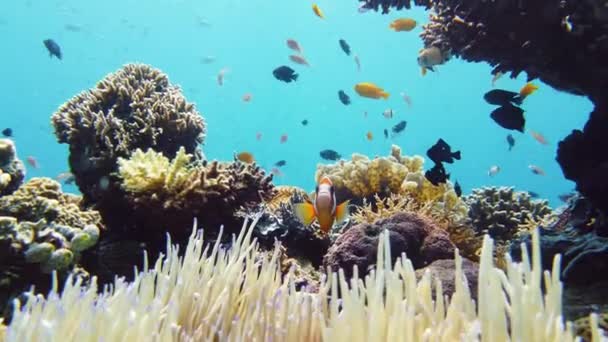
<point>283,138</point>
<point>299,60</point>
<point>344,46</point>
<point>536,170</point>
<point>53,48</point>
<point>32,162</point>
<point>501,97</point>
<point>457,189</point>
<point>510,141</point>
<point>533,194</point>
<point>317,11</point>
<point>385,133</point>
<point>528,89</point>
<point>304,122</point>
<point>402,24</point>
<point>65,177</point>
<point>247,97</point>
<point>442,152</point>
<point>399,127</point>
<point>437,174</point>
<point>323,208</point>
<point>429,57</point>
<point>406,98</point>
<point>245,157</point>
<point>294,45</point>
<point>7,132</point>
<point>388,113</point>
<point>280,163</point>
<point>369,135</point>
<point>494,170</point>
<point>370,90</point>
<point>221,75</point>
<point>276,172</point>
<point>509,117</point>
<point>358,63</point>
<point>345,99</point>
<point>330,155</point>
<point>258,136</point>
<point>539,137</point>
<point>285,74</point>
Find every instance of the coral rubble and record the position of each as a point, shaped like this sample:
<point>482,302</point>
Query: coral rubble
<point>135,107</point>
<point>12,170</point>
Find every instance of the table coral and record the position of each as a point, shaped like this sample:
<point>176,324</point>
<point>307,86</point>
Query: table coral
<point>135,107</point>
<point>12,170</point>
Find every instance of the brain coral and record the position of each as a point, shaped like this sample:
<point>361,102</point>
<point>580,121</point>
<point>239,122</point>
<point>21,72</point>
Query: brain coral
<point>164,193</point>
<point>12,170</point>
<point>135,107</point>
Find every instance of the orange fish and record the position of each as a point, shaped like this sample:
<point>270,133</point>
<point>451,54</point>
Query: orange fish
<point>536,170</point>
<point>402,24</point>
<point>32,162</point>
<point>528,89</point>
<point>299,60</point>
<point>369,136</point>
<point>246,157</point>
<point>370,90</point>
<point>323,207</point>
<point>294,45</point>
<point>539,137</point>
<point>317,11</point>
<point>247,97</point>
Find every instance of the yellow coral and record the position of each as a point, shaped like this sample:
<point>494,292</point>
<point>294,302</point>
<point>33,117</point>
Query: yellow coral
<point>152,172</point>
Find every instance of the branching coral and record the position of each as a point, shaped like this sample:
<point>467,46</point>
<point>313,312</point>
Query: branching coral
<point>12,170</point>
<point>237,294</point>
<point>165,193</point>
<point>136,107</point>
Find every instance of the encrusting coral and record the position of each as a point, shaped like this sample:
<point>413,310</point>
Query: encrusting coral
<point>135,107</point>
<point>165,193</point>
<point>238,294</point>
<point>12,170</point>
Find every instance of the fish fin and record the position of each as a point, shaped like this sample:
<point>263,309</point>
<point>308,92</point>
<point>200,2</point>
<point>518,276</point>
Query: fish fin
<point>342,211</point>
<point>423,71</point>
<point>385,95</point>
<point>456,155</point>
<point>518,99</point>
<point>295,77</point>
<point>305,212</point>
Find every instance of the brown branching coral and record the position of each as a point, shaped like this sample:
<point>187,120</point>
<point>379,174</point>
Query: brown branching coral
<point>135,107</point>
<point>165,193</point>
<point>12,170</point>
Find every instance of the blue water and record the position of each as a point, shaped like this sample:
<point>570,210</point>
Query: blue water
<point>248,38</point>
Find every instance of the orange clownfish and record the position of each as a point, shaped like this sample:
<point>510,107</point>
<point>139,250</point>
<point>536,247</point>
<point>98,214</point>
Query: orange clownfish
<point>323,207</point>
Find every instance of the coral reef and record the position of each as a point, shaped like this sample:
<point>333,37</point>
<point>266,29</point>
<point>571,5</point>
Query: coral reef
<point>363,178</point>
<point>41,230</point>
<point>386,5</point>
<point>12,170</point>
<point>135,107</point>
<point>164,193</point>
<point>236,294</point>
<point>419,238</point>
<point>503,212</point>
<point>444,270</point>
<point>585,328</point>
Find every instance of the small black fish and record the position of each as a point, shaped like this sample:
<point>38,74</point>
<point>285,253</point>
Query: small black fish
<point>53,47</point>
<point>304,122</point>
<point>330,155</point>
<point>457,189</point>
<point>280,163</point>
<point>533,194</point>
<point>285,74</point>
<point>509,117</point>
<point>386,133</point>
<point>345,47</point>
<point>398,128</point>
<point>501,97</point>
<point>437,174</point>
<point>442,152</point>
<point>510,141</point>
<point>7,132</point>
<point>345,99</point>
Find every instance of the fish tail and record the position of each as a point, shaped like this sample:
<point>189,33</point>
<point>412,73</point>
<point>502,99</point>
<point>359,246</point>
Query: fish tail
<point>456,155</point>
<point>385,95</point>
<point>295,77</point>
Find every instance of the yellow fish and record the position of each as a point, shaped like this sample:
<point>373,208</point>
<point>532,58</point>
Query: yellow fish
<point>367,89</point>
<point>528,89</point>
<point>403,24</point>
<point>323,207</point>
<point>245,157</point>
<point>317,11</point>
